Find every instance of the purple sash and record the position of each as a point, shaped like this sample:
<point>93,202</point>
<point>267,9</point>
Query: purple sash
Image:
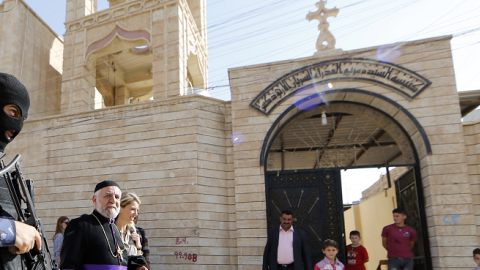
<point>103,267</point>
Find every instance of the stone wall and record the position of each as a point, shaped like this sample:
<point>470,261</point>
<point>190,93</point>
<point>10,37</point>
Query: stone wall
<point>472,140</point>
<point>33,53</point>
<point>382,184</point>
<point>175,154</point>
<point>444,172</point>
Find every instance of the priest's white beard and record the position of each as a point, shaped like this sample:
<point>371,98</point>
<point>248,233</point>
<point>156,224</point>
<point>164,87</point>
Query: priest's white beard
<point>110,213</point>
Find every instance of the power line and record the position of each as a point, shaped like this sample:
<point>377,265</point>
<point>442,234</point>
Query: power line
<point>218,85</point>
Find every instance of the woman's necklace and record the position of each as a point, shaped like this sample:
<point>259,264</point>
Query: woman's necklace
<point>119,251</point>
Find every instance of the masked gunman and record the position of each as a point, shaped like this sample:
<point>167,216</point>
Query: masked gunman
<point>15,237</point>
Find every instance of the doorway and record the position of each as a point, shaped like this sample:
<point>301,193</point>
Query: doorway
<point>315,199</point>
<point>303,172</point>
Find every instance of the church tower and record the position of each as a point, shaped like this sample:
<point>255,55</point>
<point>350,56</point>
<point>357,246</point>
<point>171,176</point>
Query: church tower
<point>133,51</point>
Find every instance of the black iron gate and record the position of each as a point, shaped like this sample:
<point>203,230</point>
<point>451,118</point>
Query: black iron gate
<point>315,199</point>
<point>407,199</point>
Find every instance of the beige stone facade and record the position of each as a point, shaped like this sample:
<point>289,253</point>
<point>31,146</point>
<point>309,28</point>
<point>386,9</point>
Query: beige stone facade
<point>202,194</point>
<point>471,141</point>
<point>32,52</point>
<point>447,187</point>
<point>173,153</point>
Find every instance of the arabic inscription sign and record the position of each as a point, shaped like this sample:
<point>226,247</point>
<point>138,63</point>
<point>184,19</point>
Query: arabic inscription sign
<point>399,78</point>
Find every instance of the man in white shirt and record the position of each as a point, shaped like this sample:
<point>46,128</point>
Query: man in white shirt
<point>287,248</point>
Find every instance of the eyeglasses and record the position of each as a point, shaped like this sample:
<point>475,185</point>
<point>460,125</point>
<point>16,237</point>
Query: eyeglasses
<point>66,222</point>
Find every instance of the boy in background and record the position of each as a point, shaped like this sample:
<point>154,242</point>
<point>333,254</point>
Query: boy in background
<point>399,239</point>
<point>476,258</point>
<point>330,262</point>
<point>357,255</point>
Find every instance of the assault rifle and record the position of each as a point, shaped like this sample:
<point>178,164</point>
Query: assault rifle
<point>22,190</point>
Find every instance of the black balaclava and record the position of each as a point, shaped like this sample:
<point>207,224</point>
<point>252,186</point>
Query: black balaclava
<point>12,91</point>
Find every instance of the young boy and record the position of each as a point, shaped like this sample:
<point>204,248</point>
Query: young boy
<point>399,240</point>
<point>476,258</point>
<point>357,255</point>
<point>330,262</point>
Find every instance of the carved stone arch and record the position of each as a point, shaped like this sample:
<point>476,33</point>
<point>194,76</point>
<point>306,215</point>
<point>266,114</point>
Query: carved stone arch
<point>400,80</point>
<point>400,123</point>
<point>302,156</point>
<point>118,39</point>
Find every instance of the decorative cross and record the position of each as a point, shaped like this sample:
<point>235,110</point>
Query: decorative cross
<point>325,40</point>
<point>120,253</point>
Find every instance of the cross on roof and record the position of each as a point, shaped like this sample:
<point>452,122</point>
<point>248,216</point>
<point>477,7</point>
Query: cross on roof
<point>325,40</point>
<point>322,13</point>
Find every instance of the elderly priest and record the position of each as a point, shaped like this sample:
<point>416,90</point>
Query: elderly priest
<point>92,242</point>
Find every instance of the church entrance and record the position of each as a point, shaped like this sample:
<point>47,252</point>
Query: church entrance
<point>315,198</point>
<point>303,165</point>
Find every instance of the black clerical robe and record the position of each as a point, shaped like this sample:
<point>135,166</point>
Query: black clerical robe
<point>87,247</point>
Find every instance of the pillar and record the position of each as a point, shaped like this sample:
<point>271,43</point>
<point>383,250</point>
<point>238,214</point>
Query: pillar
<point>80,8</point>
<point>168,57</point>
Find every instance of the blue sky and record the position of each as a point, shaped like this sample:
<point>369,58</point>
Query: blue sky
<point>250,32</point>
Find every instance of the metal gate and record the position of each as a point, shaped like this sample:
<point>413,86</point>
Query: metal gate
<point>407,199</point>
<point>315,199</point>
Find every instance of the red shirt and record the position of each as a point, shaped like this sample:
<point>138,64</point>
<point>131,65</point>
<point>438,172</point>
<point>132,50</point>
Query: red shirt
<point>398,240</point>
<point>356,257</point>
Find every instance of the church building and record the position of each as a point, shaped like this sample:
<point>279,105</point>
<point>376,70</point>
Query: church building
<point>129,102</point>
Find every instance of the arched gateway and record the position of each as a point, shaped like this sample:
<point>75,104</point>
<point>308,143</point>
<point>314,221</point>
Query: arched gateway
<point>303,154</point>
<point>303,158</point>
<point>400,114</point>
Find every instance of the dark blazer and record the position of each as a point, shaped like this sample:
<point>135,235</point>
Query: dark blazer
<point>301,250</point>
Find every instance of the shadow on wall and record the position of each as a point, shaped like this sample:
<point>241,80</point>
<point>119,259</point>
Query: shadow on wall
<point>44,79</point>
<point>53,84</point>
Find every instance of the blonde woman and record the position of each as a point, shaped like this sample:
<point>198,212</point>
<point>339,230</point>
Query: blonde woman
<point>129,205</point>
